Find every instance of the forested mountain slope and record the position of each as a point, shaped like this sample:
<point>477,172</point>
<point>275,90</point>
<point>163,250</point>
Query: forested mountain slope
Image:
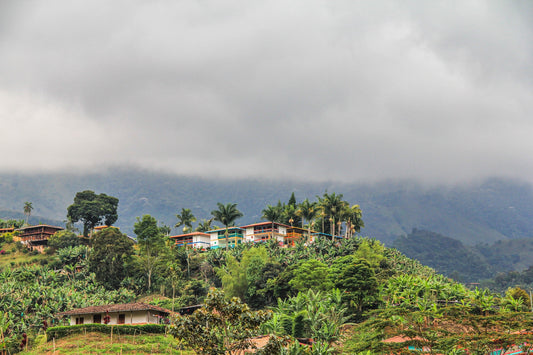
<point>484,212</point>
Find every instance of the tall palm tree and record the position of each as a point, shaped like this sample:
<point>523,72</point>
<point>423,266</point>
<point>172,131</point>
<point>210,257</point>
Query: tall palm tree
<point>226,214</point>
<point>185,219</point>
<point>353,217</point>
<point>332,205</point>
<point>308,211</point>
<point>272,214</point>
<point>28,207</point>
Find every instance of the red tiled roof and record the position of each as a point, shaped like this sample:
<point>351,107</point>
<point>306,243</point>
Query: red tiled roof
<point>264,224</point>
<point>189,234</point>
<point>124,307</point>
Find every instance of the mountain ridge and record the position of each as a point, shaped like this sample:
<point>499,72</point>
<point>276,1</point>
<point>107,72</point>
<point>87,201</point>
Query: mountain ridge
<point>487,211</point>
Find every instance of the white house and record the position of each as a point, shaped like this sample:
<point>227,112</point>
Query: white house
<point>194,239</point>
<point>127,313</point>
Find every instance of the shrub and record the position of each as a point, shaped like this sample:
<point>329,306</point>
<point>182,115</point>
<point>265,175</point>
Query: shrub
<point>124,329</point>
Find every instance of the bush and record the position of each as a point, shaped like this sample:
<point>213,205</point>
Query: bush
<point>123,329</point>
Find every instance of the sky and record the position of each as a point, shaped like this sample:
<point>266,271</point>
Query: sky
<point>347,90</point>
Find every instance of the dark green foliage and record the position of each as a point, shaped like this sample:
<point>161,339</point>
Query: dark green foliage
<point>123,329</point>
<point>359,285</point>
<point>446,255</point>
<point>287,323</point>
<point>64,239</point>
<point>298,325</point>
<point>110,254</point>
<point>92,209</point>
<point>311,274</point>
<point>9,223</point>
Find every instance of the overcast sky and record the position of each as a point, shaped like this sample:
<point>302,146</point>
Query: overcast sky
<point>324,90</point>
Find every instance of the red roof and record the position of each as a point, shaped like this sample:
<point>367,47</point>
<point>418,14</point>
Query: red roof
<point>189,234</point>
<point>124,307</point>
<point>264,224</point>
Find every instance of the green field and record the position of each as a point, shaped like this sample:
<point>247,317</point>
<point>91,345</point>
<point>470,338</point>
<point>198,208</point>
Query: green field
<point>97,343</point>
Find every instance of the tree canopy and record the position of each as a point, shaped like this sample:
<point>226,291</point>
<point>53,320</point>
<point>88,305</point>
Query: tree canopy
<point>92,209</point>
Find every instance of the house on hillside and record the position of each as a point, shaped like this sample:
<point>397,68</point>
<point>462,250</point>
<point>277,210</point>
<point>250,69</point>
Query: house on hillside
<point>218,237</point>
<point>36,237</point>
<point>263,231</point>
<point>127,313</point>
<point>7,230</point>
<point>194,239</point>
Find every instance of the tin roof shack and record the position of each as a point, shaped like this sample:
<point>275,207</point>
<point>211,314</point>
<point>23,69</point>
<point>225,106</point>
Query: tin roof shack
<point>126,313</point>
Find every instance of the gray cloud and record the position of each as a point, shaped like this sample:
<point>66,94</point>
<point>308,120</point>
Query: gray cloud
<point>437,91</point>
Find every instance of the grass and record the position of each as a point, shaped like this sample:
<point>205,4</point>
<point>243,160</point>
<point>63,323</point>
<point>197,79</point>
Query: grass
<point>18,258</point>
<point>98,343</point>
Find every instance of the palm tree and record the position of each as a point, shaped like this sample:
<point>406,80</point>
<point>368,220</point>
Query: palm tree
<point>272,214</point>
<point>185,219</point>
<point>308,211</point>
<point>205,225</point>
<point>28,207</point>
<point>353,216</point>
<point>226,214</point>
<point>332,205</point>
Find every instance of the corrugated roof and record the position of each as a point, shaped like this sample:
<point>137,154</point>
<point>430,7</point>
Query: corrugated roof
<point>123,307</point>
<point>41,225</point>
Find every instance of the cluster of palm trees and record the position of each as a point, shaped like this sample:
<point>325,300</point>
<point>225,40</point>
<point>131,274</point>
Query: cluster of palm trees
<point>328,215</point>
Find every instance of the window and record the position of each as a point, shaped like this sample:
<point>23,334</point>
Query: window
<point>79,320</point>
<point>121,319</point>
<point>97,318</point>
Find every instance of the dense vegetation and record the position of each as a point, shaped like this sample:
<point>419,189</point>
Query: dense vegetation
<point>314,290</point>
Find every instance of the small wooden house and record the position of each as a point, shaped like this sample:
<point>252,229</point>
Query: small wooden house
<point>36,237</point>
<point>126,313</point>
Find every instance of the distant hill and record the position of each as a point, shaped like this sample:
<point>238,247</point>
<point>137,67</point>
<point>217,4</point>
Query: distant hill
<point>8,214</point>
<point>485,212</point>
<point>465,263</point>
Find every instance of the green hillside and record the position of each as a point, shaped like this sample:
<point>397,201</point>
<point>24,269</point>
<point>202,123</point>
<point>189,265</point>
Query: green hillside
<point>340,293</point>
<point>503,260</point>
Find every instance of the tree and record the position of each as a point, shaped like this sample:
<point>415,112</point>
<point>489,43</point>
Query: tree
<point>359,284</point>
<point>64,239</point>
<point>151,241</point>
<point>185,219</point>
<point>353,216</point>
<point>111,251</point>
<point>205,225</point>
<point>272,214</point>
<point>226,214</point>
<point>311,274</point>
<point>332,205</point>
<point>308,211</point>
<point>92,209</point>
<point>221,326</point>
<point>239,278</point>
<point>28,207</point>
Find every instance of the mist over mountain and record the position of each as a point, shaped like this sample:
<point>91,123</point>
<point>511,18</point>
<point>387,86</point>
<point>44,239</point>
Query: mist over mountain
<point>484,212</point>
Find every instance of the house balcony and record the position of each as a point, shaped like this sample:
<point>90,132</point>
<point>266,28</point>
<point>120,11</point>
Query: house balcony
<point>267,235</point>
